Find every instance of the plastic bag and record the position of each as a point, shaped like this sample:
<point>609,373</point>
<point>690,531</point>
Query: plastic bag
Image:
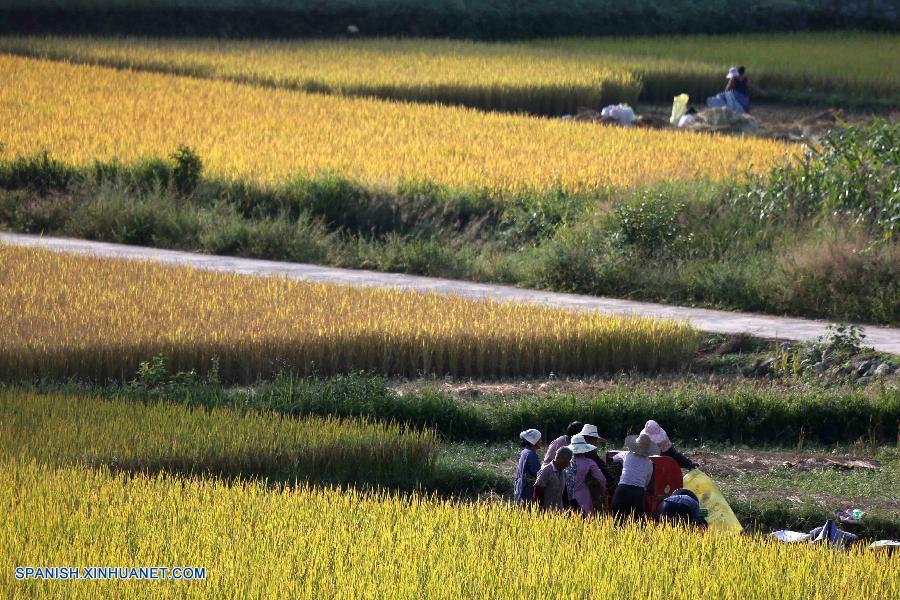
<point>786,535</point>
<point>622,113</point>
<point>720,517</point>
<point>679,108</point>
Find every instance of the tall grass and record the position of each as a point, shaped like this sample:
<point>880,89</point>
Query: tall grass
<point>64,315</point>
<point>307,543</point>
<point>151,437</point>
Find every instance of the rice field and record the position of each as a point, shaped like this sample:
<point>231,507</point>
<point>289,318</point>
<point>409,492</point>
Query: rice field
<point>313,543</point>
<point>65,315</point>
<point>505,77</point>
<point>545,77</point>
<point>137,437</point>
<point>81,114</point>
<point>839,65</point>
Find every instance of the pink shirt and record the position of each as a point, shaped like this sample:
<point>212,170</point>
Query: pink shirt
<point>583,466</point>
<point>553,447</point>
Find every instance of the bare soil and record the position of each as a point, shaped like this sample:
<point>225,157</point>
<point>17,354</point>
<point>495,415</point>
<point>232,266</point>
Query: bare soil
<point>737,462</point>
<point>790,123</point>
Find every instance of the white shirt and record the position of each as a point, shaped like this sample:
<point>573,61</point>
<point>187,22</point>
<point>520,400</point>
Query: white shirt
<point>636,469</point>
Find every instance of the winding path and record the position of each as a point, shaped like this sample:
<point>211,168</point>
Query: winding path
<point>882,338</point>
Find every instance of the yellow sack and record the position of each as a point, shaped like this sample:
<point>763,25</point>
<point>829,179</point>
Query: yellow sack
<point>720,517</point>
<point>679,108</point>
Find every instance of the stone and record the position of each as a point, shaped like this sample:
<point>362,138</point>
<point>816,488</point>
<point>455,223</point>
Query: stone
<point>883,369</point>
<point>864,367</point>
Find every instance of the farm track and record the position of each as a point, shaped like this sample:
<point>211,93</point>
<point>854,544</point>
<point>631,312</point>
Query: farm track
<point>884,339</point>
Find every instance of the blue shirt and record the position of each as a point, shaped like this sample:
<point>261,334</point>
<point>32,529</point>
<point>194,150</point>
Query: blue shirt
<point>526,473</point>
<point>681,505</point>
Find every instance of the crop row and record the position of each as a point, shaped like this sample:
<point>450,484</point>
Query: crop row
<point>82,114</point>
<point>64,315</point>
<point>255,542</point>
<point>150,437</point>
<point>550,77</point>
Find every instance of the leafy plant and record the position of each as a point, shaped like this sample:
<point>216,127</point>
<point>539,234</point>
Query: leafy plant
<point>188,166</point>
<point>650,224</point>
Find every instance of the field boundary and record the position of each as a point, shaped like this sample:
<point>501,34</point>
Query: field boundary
<point>884,339</point>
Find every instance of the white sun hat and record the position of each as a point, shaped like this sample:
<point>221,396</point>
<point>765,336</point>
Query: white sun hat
<point>580,446</point>
<point>591,431</point>
<point>732,73</point>
<point>657,434</point>
<point>531,436</point>
<point>642,445</point>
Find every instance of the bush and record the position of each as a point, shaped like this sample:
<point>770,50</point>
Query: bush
<point>186,173</point>
<point>650,224</point>
<point>39,173</point>
<point>854,172</point>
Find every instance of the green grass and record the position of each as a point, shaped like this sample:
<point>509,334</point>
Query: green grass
<point>692,412</point>
<point>879,484</point>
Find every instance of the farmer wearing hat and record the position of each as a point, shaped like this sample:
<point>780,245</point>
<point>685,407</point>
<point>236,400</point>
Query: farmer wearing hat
<point>592,436</point>
<point>586,472</point>
<point>659,435</point>
<point>637,469</point>
<point>736,96</point>
<point>529,465</point>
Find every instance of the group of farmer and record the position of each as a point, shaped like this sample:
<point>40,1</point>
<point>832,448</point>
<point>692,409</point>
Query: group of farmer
<point>573,476</point>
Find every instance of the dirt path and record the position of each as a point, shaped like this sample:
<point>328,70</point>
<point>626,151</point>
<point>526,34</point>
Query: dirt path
<point>881,338</point>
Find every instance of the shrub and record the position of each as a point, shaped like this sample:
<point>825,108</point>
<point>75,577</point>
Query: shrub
<point>853,172</point>
<point>650,224</point>
<point>186,173</point>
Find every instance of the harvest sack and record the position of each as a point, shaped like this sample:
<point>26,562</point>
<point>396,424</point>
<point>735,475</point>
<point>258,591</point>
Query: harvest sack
<point>720,517</point>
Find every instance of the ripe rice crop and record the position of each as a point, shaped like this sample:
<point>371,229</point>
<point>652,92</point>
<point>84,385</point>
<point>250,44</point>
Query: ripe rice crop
<point>83,113</point>
<point>310,543</point>
<point>134,436</point>
<point>546,77</point>
<point>493,76</point>
<point>859,66</point>
<point>69,315</point>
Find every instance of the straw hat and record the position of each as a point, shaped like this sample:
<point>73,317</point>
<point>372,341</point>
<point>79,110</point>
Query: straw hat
<point>531,436</point>
<point>642,445</point>
<point>591,431</point>
<point>657,434</point>
<point>580,446</point>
